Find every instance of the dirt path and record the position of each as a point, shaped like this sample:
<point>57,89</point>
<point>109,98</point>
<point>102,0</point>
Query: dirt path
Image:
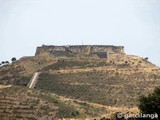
<point>34,80</point>
<point>5,86</point>
<point>105,69</point>
<point>110,109</point>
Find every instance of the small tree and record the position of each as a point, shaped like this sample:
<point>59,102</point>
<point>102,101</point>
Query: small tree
<point>126,62</point>
<point>151,103</point>
<point>146,58</point>
<point>7,62</point>
<point>2,62</point>
<point>13,59</point>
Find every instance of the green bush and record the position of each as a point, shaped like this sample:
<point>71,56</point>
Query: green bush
<point>151,103</point>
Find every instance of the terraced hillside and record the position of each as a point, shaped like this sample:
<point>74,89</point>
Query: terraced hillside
<point>75,87</point>
<point>111,83</point>
<point>17,103</point>
<point>20,72</point>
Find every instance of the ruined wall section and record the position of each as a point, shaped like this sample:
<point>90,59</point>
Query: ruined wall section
<point>111,49</point>
<point>77,49</point>
<point>49,50</point>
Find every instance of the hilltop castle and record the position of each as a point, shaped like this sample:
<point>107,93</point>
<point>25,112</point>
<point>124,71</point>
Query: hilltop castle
<point>101,51</point>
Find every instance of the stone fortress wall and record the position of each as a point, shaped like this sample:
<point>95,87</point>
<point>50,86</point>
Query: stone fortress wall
<point>59,51</point>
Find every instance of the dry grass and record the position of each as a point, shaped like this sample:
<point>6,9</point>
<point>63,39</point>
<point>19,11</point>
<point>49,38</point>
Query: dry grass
<point>5,86</point>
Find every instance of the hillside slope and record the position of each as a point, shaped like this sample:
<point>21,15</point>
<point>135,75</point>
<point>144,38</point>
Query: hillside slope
<point>75,87</point>
<point>101,81</point>
<point>23,103</point>
<point>21,71</point>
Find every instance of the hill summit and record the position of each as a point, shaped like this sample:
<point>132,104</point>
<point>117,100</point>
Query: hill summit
<point>67,51</point>
<point>98,75</point>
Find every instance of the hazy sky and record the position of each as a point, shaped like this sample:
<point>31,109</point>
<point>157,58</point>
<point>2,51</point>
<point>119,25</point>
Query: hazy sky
<point>26,24</point>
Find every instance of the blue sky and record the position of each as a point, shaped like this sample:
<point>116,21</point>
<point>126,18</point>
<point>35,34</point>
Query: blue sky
<point>26,24</point>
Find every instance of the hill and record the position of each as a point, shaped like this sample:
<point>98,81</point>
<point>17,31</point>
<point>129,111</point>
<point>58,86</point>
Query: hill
<point>99,81</point>
<point>79,86</point>
<point>23,103</point>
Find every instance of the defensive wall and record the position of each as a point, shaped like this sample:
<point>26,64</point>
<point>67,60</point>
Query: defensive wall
<point>59,51</point>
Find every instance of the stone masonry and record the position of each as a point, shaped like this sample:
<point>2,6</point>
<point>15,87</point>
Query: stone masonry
<point>61,51</point>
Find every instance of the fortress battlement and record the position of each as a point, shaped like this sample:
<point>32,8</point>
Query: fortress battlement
<point>60,51</point>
